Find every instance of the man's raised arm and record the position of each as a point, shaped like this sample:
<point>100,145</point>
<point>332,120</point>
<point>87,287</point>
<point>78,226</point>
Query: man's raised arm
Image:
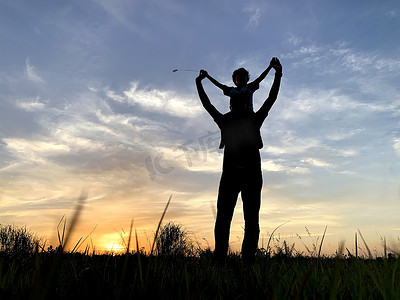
<point>204,98</point>
<point>273,93</point>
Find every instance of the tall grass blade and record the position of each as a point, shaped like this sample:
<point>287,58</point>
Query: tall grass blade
<point>51,278</point>
<point>139,260</point>
<point>384,247</point>
<point>272,234</point>
<point>356,244</point>
<point>75,217</point>
<point>322,240</point>
<point>159,225</point>
<point>61,238</point>
<point>80,242</point>
<point>129,238</point>
<point>365,244</point>
<point>77,244</point>
<point>118,291</point>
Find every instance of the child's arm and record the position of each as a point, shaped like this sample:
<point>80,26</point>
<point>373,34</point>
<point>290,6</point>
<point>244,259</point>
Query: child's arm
<point>214,81</point>
<point>263,75</point>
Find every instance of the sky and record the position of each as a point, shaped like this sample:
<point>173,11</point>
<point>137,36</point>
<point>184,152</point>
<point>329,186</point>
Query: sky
<point>89,102</point>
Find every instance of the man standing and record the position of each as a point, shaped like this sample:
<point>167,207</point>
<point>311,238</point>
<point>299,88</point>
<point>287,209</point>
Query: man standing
<point>241,171</point>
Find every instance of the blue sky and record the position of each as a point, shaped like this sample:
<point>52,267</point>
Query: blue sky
<point>88,100</point>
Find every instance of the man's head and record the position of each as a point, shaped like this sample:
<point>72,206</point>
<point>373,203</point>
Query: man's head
<point>240,77</point>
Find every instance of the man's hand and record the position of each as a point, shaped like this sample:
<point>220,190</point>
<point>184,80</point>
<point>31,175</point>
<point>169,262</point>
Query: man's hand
<point>276,64</point>
<point>203,74</point>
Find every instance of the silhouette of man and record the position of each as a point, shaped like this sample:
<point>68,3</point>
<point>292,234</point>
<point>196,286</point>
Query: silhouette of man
<point>241,170</point>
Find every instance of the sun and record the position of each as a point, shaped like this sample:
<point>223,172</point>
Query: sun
<point>115,247</point>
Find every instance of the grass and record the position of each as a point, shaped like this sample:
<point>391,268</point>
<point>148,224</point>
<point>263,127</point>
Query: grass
<point>133,275</point>
<point>176,269</point>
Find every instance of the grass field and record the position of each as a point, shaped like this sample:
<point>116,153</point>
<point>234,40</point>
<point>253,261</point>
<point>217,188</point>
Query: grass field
<point>175,268</point>
<point>133,276</point>
<point>179,271</point>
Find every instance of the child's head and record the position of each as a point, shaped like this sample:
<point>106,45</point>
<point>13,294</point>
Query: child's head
<point>240,76</point>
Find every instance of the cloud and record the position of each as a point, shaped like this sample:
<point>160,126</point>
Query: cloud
<point>31,73</point>
<point>34,151</point>
<point>31,104</point>
<point>289,142</point>
<point>339,134</point>
<point>149,21</point>
<point>84,136</point>
<point>40,147</point>
<point>396,146</point>
<point>393,13</point>
<point>254,15</point>
<point>318,163</point>
<point>294,39</point>
<point>339,58</point>
<point>161,101</point>
<point>273,166</point>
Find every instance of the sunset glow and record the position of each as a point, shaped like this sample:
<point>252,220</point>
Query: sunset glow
<point>89,101</point>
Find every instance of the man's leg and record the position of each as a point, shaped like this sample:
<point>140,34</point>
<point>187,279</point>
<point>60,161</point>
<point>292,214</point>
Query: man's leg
<point>227,197</point>
<point>251,197</point>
